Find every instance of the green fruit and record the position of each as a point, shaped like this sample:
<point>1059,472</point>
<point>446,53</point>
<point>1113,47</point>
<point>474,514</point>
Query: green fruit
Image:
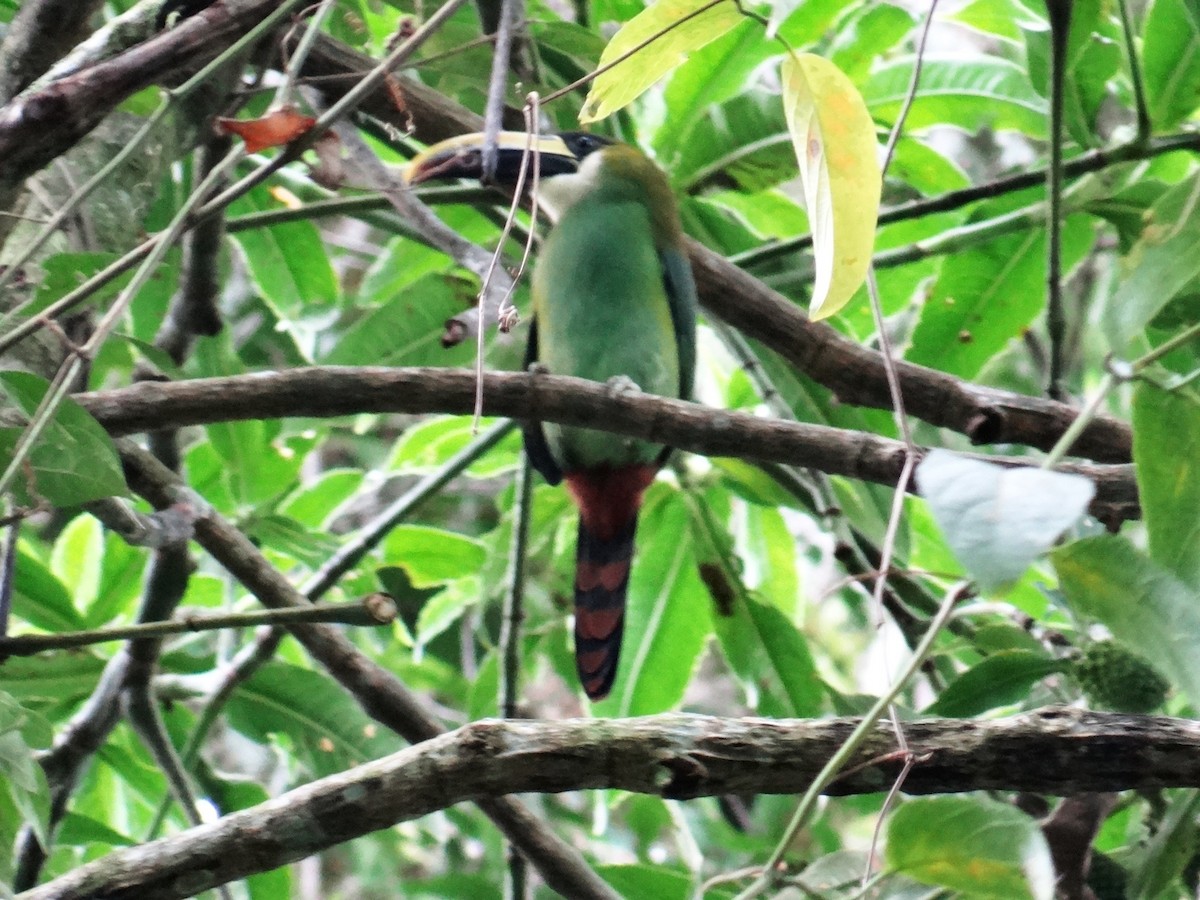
<point>1114,677</point>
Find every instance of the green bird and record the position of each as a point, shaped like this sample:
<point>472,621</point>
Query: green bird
<point>613,301</point>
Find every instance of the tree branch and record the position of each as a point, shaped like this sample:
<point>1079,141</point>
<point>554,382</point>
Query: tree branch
<point>855,374</point>
<point>40,124</point>
<point>39,33</point>
<point>1055,750</point>
<point>374,609</point>
<point>321,391</point>
<point>380,693</point>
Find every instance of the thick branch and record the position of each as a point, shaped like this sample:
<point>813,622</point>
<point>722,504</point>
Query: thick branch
<point>380,693</point>
<point>39,33</point>
<point>40,124</point>
<point>1058,751</point>
<point>335,391</point>
<point>854,373</point>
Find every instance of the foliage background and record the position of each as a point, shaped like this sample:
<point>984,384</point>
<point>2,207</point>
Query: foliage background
<point>751,591</point>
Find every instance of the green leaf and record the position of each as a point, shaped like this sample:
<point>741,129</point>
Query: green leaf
<point>288,262</point>
<point>773,549</point>
<point>801,22</point>
<point>1093,57</point>
<point>744,141</point>
<point>988,295</point>
<point>1142,604</point>
<point>982,847</point>
<point>407,330</point>
<point>314,711</point>
<point>317,503</point>
<point>26,783</point>
<point>999,18</point>
<point>999,520</point>
<point>1001,679</point>
<point>78,830</point>
<point>443,609</point>
<point>73,461</point>
<point>665,628</point>
<point>866,34</point>
<point>1166,451</point>
<point>642,880</point>
<point>925,169</point>
<point>430,444</point>
<point>287,536</point>
<point>712,75</point>
<point>1171,61</point>
<point>432,556</point>
<point>40,598</point>
<point>78,557</point>
<point>830,874</point>
<point>1169,850</point>
<point>968,93</point>
<point>834,139</point>
<point>61,676</point>
<point>996,637</point>
<point>1164,261</point>
<point>619,86</point>
<point>790,658</point>
<point>120,580</point>
<point>64,272</point>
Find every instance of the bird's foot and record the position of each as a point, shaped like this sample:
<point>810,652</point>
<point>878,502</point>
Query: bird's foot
<point>622,384</point>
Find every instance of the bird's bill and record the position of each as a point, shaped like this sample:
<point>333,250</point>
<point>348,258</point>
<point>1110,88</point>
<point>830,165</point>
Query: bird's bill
<point>462,157</point>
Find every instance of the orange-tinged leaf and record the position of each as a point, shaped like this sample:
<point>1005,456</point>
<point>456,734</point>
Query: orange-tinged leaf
<point>623,83</point>
<point>834,139</point>
<point>277,127</point>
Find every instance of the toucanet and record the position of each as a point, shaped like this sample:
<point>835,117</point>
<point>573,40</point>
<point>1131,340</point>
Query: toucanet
<point>613,301</point>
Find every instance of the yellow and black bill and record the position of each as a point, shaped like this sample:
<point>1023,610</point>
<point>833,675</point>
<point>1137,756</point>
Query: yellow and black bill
<point>462,157</point>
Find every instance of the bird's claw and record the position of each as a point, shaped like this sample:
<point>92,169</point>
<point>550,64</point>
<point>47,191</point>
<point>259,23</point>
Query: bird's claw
<point>622,384</point>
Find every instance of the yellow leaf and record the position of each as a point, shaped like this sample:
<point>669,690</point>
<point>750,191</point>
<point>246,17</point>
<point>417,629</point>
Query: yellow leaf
<point>834,139</point>
<point>624,82</point>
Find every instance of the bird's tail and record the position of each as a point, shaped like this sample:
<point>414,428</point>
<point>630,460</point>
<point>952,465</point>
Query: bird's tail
<point>608,507</point>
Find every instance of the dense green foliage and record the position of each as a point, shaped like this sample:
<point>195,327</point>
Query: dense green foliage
<point>750,593</point>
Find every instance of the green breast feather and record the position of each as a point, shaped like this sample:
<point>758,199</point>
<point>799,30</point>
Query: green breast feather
<point>602,312</point>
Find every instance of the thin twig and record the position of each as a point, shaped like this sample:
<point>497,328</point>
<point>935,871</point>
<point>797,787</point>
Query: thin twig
<point>350,553</point>
<point>344,105</point>
<point>512,615</point>
<point>1092,161</point>
<point>377,609</point>
<point>173,99</point>
<point>1144,125</point>
<point>773,869</point>
<point>1056,319</point>
<point>887,549</point>
<point>597,72</point>
<point>283,96</point>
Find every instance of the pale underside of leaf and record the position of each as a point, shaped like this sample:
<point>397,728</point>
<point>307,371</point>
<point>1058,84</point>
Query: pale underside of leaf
<point>997,520</point>
<point>834,139</point>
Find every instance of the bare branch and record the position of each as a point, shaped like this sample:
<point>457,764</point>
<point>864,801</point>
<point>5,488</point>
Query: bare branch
<point>854,373</point>
<point>40,124</point>
<point>336,391</point>
<point>1054,750</point>
<point>380,693</point>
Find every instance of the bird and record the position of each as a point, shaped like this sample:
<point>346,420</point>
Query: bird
<point>614,301</point>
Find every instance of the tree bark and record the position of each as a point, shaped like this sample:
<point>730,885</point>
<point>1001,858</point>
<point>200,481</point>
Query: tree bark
<point>1055,750</point>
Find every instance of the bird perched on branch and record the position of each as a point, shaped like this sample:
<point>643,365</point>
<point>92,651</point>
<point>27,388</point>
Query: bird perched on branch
<point>613,301</point>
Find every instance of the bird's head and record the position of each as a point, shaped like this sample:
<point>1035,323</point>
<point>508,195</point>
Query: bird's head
<point>570,166</point>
